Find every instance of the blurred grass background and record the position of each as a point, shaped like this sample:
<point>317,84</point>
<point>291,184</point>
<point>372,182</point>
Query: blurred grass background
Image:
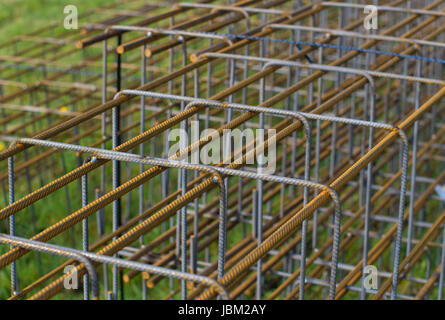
<point>18,17</point>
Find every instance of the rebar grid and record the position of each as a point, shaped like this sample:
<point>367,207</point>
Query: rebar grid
<point>351,119</point>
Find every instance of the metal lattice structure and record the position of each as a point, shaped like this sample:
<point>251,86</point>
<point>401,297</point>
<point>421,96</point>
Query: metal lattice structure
<point>88,178</point>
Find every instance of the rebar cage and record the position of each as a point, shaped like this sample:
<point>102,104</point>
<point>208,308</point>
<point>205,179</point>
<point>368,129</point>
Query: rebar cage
<point>353,207</point>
